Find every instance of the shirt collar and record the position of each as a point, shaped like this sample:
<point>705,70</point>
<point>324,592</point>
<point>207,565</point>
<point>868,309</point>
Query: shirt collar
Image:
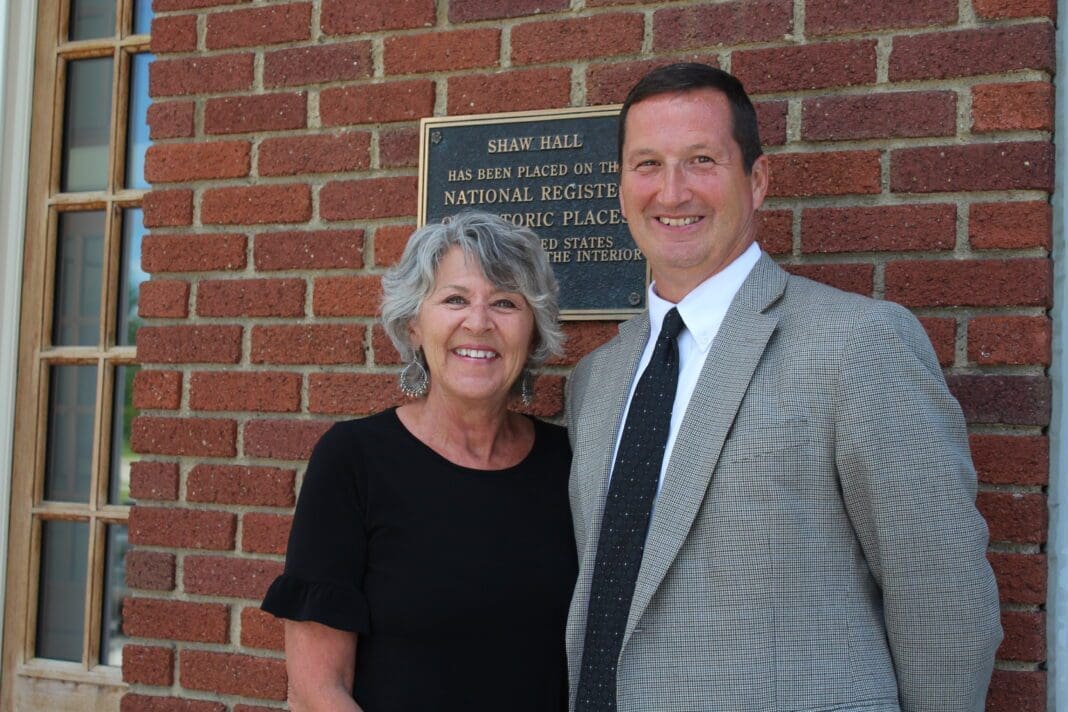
<point>704,308</point>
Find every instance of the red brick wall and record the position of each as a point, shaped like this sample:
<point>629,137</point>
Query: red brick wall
<point>911,159</point>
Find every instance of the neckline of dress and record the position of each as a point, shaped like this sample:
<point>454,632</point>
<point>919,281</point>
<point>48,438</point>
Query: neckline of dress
<point>463,468</point>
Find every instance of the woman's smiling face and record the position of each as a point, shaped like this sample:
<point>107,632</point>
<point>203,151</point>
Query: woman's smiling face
<point>475,336</point>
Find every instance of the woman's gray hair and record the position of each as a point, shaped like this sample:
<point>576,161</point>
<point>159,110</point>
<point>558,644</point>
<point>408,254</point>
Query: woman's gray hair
<point>510,257</point>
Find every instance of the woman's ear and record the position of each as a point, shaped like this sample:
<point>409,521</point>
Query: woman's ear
<point>414,336</point>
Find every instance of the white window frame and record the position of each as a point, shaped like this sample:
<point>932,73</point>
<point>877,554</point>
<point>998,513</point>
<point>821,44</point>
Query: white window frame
<point>18,33</point>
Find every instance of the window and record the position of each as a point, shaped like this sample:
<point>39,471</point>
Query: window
<point>70,489</point>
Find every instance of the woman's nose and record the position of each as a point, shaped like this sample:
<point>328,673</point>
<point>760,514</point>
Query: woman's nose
<point>477,318</point>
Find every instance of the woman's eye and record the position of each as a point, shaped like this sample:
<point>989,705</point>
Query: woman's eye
<point>505,304</point>
<point>455,299</point>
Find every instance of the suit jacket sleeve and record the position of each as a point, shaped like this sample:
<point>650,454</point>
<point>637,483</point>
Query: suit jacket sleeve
<point>574,393</point>
<point>909,486</point>
<point>570,405</point>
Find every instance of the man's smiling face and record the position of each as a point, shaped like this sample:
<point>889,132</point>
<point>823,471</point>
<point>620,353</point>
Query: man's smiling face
<point>684,190</point>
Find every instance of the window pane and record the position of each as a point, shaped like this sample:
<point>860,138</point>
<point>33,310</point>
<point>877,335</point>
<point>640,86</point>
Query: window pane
<point>122,415</point>
<point>69,464</point>
<point>86,124</point>
<point>79,271</point>
<point>142,17</point>
<point>90,19</point>
<point>61,596</point>
<point>137,123</point>
<point>111,637</point>
<point>130,276</point>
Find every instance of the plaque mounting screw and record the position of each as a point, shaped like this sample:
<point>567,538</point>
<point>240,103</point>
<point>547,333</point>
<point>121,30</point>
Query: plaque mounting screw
<point>635,299</point>
<point>435,137</point>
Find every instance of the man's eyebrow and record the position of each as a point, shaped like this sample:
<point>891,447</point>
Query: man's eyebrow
<point>701,146</point>
<point>639,152</point>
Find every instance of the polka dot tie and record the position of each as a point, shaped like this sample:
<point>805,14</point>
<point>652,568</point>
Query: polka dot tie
<point>626,520</point>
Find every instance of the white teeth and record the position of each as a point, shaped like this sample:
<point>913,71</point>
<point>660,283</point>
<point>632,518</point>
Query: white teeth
<point>475,353</point>
<point>678,222</point>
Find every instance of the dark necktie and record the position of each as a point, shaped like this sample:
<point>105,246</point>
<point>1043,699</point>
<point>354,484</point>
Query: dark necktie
<point>626,520</point>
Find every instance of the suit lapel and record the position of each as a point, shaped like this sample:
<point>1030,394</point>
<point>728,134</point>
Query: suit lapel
<point>724,379</point>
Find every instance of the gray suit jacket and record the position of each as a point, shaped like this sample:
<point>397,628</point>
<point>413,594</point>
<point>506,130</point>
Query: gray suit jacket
<point>816,544</point>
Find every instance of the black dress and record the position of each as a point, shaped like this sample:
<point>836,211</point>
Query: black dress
<point>457,581</point>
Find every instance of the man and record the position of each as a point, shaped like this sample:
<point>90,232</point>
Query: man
<point>813,542</point>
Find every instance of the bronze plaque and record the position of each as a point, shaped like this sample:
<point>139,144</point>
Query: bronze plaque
<point>555,172</point>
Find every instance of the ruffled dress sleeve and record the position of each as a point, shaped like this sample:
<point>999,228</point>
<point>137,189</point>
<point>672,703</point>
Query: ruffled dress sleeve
<point>327,551</point>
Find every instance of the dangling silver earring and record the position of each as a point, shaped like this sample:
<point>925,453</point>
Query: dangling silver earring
<point>526,387</point>
<point>414,380</point>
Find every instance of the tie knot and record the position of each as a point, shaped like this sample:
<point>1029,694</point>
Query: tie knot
<point>672,325</point>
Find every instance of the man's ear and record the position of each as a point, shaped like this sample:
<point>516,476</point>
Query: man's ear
<point>758,180</point>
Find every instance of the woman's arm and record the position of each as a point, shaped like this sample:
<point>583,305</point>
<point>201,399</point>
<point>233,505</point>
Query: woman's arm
<point>321,664</point>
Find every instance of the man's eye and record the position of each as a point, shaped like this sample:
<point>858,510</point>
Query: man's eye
<point>704,159</point>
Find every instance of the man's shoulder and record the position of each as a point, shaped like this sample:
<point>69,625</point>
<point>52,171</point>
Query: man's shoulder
<point>609,346</point>
<point>600,356</point>
<point>816,300</point>
<point>805,290</point>
<point>814,312</point>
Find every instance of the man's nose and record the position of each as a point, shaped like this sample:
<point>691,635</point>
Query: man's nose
<point>674,187</point>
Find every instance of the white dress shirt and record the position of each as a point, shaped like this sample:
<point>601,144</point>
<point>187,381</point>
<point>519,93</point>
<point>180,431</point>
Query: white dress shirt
<point>703,311</point>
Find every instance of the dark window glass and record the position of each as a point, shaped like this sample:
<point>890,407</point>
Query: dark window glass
<point>130,276</point>
<point>91,19</point>
<point>111,637</point>
<point>137,121</point>
<point>79,272</point>
<point>122,414</point>
<point>61,592</point>
<point>86,125</point>
<point>69,464</point>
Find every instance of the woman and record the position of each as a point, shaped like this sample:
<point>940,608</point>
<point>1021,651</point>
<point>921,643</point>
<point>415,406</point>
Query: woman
<point>431,559</point>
